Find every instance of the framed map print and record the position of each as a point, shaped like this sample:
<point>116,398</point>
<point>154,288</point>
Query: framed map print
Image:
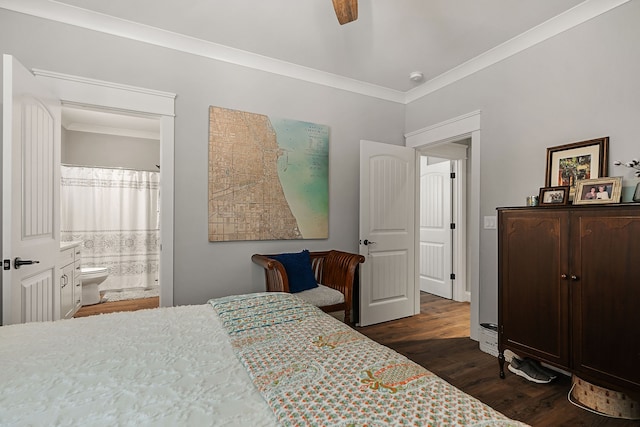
<point>268,177</point>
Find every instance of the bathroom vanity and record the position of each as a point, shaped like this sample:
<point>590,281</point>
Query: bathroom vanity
<point>70,284</point>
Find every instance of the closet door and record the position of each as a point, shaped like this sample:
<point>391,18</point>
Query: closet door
<point>533,289</point>
<point>606,296</point>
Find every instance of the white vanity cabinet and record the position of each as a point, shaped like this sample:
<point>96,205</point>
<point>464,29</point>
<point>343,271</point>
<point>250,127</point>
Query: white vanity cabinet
<point>70,284</point>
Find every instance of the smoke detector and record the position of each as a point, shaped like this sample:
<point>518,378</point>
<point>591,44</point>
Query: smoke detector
<point>416,76</point>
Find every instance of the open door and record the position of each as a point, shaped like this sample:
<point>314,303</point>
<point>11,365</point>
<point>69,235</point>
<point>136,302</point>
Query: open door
<point>388,285</point>
<point>30,197</point>
<point>435,229</point>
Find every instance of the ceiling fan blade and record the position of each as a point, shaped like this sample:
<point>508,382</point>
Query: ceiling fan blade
<point>346,10</point>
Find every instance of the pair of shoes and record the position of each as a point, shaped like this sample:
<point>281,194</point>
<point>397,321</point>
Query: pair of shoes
<point>526,369</point>
<point>548,372</point>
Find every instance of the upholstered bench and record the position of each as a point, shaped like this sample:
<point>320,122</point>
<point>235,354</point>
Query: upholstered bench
<point>324,279</point>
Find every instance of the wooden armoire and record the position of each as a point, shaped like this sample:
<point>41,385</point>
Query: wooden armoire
<point>569,290</point>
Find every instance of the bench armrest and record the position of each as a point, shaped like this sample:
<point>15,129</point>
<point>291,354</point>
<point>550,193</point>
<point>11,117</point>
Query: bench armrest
<point>275,275</point>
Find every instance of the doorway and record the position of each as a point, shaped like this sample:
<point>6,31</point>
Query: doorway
<point>85,93</point>
<point>435,266</point>
<point>452,280</point>
<point>460,133</point>
<point>110,187</point>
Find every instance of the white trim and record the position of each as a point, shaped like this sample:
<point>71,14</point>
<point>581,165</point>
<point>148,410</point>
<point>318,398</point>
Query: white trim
<point>166,209</point>
<point>473,236</point>
<point>446,131</point>
<point>416,239</point>
<point>456,129</point>
<point>459,199</point>
<point>76,90</point>
<point>115,96</point>
<point>573,17</point>
<point>95,21</point>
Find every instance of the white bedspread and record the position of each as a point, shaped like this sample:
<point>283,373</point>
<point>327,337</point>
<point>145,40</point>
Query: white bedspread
<point>175,368</point>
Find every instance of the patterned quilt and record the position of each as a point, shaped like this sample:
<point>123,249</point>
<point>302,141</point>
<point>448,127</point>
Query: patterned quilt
<point>313,370</point>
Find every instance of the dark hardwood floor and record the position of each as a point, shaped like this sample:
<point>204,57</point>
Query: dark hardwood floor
<point>438,339</point>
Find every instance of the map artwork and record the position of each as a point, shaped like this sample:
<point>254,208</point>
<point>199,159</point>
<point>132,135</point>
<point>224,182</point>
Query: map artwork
<point>268,177</point>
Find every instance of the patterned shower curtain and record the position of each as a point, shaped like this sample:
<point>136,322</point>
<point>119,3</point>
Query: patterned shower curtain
<point>115,213</point>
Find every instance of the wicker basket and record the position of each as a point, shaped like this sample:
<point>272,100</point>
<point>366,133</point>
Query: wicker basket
<point>604,401</point>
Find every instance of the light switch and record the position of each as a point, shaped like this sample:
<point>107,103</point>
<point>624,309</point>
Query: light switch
<point>490,222</point>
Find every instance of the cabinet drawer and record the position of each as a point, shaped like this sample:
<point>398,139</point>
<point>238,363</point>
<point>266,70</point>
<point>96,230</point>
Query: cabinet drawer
<point>77,291</point>
<point>66,257</point>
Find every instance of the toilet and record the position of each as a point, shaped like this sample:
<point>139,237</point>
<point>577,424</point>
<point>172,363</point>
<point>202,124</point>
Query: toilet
<point>91,277</point>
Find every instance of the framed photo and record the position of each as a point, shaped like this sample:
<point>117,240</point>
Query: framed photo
<point>601,190</point>
<point>567,164</point>
<point>556,196</point>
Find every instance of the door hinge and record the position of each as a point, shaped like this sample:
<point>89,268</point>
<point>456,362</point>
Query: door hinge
<point>6,264</point>
<point>453,175</point>
<point>453,225</point>
<point>452,276</point>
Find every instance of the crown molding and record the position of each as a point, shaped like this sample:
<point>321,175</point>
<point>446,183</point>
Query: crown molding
<point>72,15</point>
<point>573,17</point>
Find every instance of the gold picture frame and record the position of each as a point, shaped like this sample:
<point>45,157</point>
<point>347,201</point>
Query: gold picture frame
<point>598,191</point>
<point>569,163</point>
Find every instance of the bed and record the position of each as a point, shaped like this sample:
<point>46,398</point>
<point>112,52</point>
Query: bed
<point>263,359</point>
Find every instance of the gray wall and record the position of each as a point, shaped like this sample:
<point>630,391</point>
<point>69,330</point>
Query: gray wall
<point>579,85</point>
<point>94,149</point>
<point>204,270</point>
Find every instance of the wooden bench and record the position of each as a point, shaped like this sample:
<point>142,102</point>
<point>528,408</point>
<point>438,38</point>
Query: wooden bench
<point>334,270</point>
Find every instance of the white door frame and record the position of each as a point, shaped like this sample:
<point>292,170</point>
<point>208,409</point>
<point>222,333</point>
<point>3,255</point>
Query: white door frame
<point>456,129</point>
<point>81,91</point>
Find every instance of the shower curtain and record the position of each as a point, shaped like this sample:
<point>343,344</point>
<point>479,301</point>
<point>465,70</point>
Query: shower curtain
<point>115,213</point>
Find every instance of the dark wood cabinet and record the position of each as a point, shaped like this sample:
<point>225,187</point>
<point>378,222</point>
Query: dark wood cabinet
<point>569,290</point>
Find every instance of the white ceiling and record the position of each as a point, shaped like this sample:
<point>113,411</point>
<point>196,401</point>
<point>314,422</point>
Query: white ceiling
<point>389,40</point>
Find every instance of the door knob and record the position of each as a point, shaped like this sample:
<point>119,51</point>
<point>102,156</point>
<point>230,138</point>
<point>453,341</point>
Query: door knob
<point>19,261</point>
<point>368,242</point>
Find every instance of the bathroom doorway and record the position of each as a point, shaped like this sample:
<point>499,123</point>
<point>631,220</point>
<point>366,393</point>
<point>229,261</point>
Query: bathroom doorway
<point>110,188</point>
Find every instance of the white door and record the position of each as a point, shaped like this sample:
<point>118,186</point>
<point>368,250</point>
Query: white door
<point>30,197</point>
<point>435,229</point>
<point>388,288</point>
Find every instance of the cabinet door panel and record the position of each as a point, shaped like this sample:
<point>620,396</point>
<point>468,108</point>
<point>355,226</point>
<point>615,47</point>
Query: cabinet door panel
<point>606,296</point>
<point>66,292</point>
<point>533,295</point>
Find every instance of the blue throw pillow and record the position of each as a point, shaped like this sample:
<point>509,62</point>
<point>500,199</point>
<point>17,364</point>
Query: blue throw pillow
<point>299,271</point>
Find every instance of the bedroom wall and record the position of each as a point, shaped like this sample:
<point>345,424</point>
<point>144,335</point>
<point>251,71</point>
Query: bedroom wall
<point>204,270</point>
<point>95,149</point>
<point>579,85</point>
